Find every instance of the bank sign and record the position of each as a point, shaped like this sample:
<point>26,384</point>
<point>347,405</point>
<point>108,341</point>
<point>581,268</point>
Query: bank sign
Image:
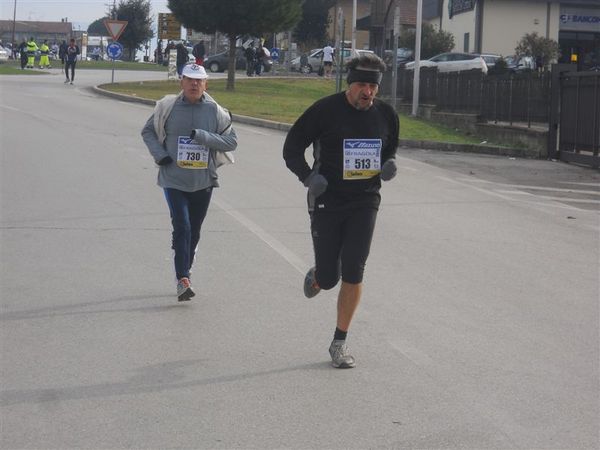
<point>580,19</point>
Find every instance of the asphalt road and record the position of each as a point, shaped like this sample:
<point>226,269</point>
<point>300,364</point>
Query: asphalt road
<point>479,324</point>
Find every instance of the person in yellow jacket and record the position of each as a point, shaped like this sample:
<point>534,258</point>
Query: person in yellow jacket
<point>45,51</point>
<point>31,49</point>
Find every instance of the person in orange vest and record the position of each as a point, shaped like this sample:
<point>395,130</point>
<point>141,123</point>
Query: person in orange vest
<point>45,51</point>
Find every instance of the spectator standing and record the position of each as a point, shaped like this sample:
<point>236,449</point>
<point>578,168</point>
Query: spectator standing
<point>260,56</point>
<point>170,46</point>
<point>327,60</point>
<point>71,59</point>
<point>250,54</point>
<point>182,57</point>
<point>44,55</point>
<point>23,54</point>
<point>62,52</point>
<point>199,52</point>
<point>31,49</point>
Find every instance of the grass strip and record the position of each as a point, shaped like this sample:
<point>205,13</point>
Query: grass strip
<point>284,100</point>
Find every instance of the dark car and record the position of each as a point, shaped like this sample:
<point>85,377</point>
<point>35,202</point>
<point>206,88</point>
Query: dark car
<point>403,56</point>
<point>220,61</point>
<point>517,64</point>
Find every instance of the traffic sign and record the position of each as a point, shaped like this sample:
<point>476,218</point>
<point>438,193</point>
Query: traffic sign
<point>168,26</point>
<point>114,50</point>
<point>115,27</point>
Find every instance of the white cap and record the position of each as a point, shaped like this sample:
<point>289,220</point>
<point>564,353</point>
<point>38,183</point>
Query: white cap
<point>194,71</point>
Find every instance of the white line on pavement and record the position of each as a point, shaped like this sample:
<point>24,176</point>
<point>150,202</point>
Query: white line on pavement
<point>264,236</point>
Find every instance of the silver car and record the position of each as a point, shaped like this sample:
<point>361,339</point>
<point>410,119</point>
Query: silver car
<point>452,62</point>
<point>314,61</point>
<point>4,53</point>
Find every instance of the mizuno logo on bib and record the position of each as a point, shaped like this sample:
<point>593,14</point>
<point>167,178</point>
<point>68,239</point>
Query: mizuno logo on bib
<point>191,155</point>
<point>362,158</point>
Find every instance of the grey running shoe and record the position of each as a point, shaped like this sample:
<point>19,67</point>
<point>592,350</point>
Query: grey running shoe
<point>340,357</point>
<point>311,288</point>
<point>184,290</point>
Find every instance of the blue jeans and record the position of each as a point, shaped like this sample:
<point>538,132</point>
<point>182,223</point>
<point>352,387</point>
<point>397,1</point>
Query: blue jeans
<point>188,210</point>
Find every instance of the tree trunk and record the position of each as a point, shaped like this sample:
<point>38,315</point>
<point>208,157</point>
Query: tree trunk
<point>231,65</point>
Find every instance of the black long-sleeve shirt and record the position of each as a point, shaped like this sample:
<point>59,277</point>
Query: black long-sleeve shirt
<point>327,124</point>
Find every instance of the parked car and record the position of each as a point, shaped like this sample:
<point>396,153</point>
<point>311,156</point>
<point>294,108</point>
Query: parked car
<point>315,59</point>
<point>4,54</point>
<point>452,62</point>
<point>403,56</point>
<point>220,61</point>
<point>490,59</point>
<point>520,64</point>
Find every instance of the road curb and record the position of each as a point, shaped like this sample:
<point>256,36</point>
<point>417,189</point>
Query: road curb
<point>407,143</point>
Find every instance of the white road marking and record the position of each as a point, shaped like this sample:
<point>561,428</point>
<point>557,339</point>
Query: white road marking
<point>536,188</point>
<point>294,260</point>
<point>547,197</point>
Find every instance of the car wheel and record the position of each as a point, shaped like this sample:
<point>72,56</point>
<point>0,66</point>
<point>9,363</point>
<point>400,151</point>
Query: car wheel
<point>306,69</point>
<point>214,67</point>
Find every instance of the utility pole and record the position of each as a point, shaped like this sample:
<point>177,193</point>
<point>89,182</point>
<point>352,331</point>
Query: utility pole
<point>353,26</point>
<point>395,54</point>
<point>13,43</point>
<point>417,78</point>
<point>339,49</point>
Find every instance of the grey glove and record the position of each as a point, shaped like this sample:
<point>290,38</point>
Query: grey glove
<point>388,170</point>
<point>195,132</point>
<point>316,184</point>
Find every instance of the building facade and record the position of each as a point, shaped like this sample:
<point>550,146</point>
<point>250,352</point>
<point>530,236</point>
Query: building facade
<point>496,26</point>
<point>363,9</point>
<point>23,30</point>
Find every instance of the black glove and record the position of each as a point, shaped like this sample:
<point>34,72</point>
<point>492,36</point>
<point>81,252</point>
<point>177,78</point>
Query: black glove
<point>388,170</point>
<point>165,161</point>
<point>316,184</point>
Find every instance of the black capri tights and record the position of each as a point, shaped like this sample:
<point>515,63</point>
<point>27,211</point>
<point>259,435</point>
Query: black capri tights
<point>342,241</point>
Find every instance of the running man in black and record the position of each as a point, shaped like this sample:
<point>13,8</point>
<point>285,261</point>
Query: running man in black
<point>354,138</point>
<point>71,54</point>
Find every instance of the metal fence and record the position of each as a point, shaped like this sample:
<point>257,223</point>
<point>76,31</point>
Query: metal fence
<point>499,98</point>
<point>579,129</point>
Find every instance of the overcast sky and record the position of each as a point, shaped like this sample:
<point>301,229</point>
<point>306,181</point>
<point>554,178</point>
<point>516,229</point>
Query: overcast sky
<point>80,12</point>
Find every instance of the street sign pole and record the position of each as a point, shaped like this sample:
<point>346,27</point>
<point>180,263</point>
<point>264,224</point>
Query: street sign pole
<point>115,50</point>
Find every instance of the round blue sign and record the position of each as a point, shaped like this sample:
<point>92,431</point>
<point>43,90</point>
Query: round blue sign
<point>114,50</point>
<point>275,54</point>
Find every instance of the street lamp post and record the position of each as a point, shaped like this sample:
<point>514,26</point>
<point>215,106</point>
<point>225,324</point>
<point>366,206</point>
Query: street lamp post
<point>13,29</point>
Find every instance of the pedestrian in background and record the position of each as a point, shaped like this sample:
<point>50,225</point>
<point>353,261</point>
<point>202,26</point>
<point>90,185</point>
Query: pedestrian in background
<point>260,56</point>
<point>31,49</point>
<point>182,57</point>
<point>354,137</point>
<point>188,165</point>
<point>250,54</point>
<point>71,59</point>
<point>23,54</point>
<point>44,55</point>
<point>62,53</point>
<point>328,52</point>
<point>199,52</point>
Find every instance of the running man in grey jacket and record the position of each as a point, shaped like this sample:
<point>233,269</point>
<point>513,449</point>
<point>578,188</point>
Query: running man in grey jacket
<point>188,135</point>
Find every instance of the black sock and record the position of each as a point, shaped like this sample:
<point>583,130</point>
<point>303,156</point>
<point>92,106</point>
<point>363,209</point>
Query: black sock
<point>339,335</point>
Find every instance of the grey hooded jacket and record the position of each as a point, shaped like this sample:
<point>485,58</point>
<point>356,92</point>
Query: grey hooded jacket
<point>173,117</point>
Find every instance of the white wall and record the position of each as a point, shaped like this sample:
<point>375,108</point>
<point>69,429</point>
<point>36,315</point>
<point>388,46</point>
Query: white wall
<point>505,22</point>
<point>458,26</point>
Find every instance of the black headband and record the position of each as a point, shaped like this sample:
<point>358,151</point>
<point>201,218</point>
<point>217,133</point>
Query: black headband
<point>364,76</point>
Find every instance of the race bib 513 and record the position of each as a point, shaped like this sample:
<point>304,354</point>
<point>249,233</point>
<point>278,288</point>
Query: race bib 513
<point>362,158</point>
